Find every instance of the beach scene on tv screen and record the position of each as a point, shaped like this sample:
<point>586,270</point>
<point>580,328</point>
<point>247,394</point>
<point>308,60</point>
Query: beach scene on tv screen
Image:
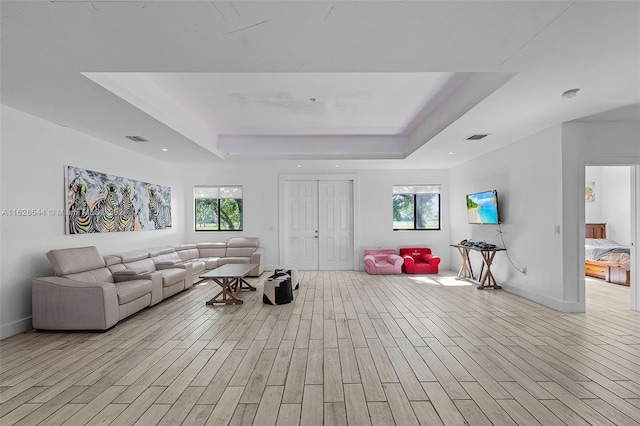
<point>482,208</point>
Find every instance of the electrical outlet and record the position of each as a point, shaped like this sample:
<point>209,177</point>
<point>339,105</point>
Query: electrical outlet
<point>524,271</point>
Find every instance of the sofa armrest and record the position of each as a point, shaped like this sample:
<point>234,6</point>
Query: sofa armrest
<point>435,260</point>
<point>395,260</point>
<point>257,257</point>
<point>369,260</point>
<point>155,278</point>
<point>164,264</point>
<point>181,265</point>
<point>133,272</point>
<point>64,304</point>
<point>168,265</point>
<point>408,260</point>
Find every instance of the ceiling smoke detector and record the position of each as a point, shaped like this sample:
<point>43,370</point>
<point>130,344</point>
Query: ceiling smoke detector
<point>476,137</point>
<point>137,138</point>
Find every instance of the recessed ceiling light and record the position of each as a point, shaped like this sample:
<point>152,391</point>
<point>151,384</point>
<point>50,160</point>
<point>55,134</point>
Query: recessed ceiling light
<point>165,149</point>
<point>298,166</point>
<point>337,165</point>
<point>571,93</point>
<point>450,153</point>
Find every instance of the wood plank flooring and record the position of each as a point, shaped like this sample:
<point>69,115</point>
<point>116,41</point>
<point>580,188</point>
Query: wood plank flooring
<point>352,349</point>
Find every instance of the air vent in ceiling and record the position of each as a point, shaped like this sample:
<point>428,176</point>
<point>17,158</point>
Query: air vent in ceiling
<point>476,137</point>
<point>137,138</point>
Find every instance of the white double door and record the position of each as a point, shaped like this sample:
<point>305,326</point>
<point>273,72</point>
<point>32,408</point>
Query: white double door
<point>319,224</point>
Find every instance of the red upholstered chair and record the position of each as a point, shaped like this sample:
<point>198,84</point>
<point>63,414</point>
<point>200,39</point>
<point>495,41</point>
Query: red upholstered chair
<point>419,260</point>
<point>382,262</point>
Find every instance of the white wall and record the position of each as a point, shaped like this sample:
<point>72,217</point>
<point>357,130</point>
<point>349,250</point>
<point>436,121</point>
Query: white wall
<point>540,182</point>
<point>612,204</point>
<point>34,153</point>
<point>374,222</point>
<point>527,176</point>
<point>376,212</point>
<point>260,207</point>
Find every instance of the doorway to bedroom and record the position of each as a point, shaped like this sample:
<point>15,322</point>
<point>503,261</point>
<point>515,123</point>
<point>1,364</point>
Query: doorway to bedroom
<point>609,235</point>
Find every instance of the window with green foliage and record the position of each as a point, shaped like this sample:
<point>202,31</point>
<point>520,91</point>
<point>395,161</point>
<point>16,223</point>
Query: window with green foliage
<point>416,207</point>
<point>218,208</point>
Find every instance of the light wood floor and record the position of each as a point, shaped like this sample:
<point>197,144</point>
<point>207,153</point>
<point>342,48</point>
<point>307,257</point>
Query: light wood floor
<point>352,349</point>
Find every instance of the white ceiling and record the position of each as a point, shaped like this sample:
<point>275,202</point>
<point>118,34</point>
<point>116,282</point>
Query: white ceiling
<point>319,84</point>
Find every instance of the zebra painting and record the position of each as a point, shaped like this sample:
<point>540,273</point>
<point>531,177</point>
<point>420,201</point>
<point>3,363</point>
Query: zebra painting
<point>80,219</point>
<point>126,211</point>
<point>159,211</point>
<point>97,202</point>
<point>105,210</point>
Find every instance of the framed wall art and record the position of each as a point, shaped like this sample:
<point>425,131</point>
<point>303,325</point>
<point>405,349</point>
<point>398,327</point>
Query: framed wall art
<point>97,202</point>
<point>590,192</point>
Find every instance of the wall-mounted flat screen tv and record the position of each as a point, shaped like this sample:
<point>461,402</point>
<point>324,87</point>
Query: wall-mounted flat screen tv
<point>482,207</point>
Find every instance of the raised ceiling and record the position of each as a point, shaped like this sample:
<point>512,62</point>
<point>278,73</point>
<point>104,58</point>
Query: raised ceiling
<point>399,84</point>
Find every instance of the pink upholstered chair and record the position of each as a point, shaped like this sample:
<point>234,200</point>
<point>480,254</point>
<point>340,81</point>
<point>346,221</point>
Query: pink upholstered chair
<point>382,261</point>
<point>419,260</point>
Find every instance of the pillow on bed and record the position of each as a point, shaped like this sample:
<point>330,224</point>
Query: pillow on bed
<point>600,242</point>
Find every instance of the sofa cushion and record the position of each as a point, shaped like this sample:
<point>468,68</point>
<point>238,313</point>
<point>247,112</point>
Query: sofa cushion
<point>172,276</point>
<point>211,262</point>
<point>226,260</point>
<point>416,252</point>
<point>212,249</point>
<point>78,259</point>
<point>112,260</point>
<point>243,242</point>
<point>189,254</point>
<point>100,275</point>
<point>146,264</point>
<point>197,266</point>
<point>241,247</point>
<point>167,258</point>
<point>157,251</point>
<point>133,256</point>
<point>128,291</point>
<point>186,247</point>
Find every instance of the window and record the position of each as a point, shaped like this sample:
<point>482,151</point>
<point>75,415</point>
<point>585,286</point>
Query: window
<point>218,208</point>
<point>416,207</point>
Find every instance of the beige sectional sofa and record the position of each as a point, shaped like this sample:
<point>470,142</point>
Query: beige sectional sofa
<point>94,292</point>
<point>175,278</point>
<point>88,294</point>
<point>212,255</point>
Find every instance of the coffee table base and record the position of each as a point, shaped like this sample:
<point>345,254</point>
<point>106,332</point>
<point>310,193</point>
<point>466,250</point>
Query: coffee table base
<point>244,285</point>
<point>230,278</point>
<point>227,296</point>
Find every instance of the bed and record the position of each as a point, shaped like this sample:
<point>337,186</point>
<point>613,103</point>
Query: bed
<point>605,259</point>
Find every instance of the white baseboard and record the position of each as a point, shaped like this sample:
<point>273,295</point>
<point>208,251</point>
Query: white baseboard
<point>16,327</point>
<point>558,305</point>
